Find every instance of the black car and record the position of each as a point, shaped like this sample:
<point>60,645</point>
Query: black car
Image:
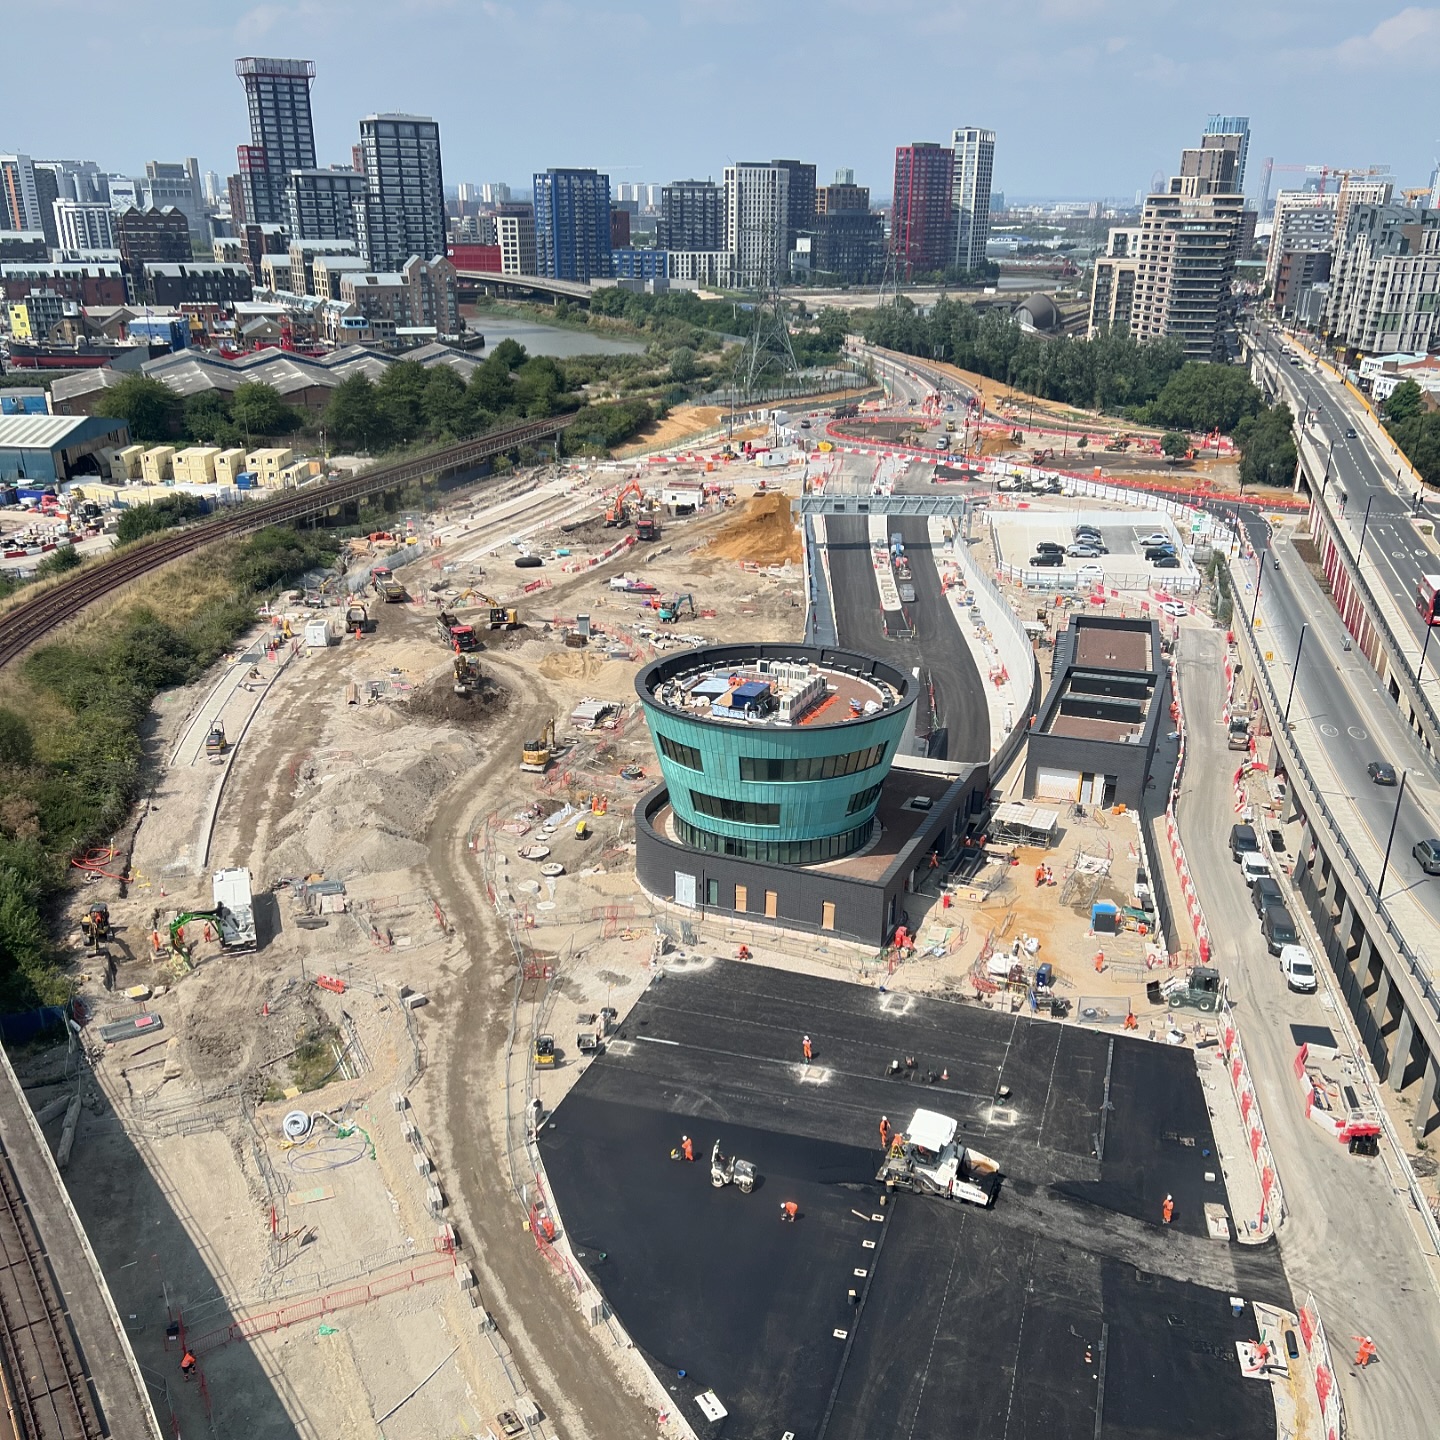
<point>1166,562</point>
<point>1265,891</point>
<point>1158,552</point>
<point>1049,547</point>
<point>1278,927</point>
<point>1086,532</point>
<point>1381,772</point>
<point>1048,557</point>
<point>1243,841</point>
<point>1350,433</point>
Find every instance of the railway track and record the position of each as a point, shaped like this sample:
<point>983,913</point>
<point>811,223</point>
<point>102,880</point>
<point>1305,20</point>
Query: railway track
<point>46,1391</point>
<point>25,623</point>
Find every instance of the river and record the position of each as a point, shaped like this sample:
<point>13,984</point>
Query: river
<point>541,339</point>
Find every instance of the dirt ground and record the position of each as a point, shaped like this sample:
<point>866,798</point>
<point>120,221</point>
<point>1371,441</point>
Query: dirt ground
<point>380,815</point>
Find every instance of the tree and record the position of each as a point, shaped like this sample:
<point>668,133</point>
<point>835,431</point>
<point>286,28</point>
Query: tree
<point>207,420</point>
<point>353,420</point>
<point>57,562</point>
<point>1404,402</point>
<point>510,353</point>
<point>443,404</point>
<point>540,386</point>
<point>1174,445</point>
<point>682,364</point>
<point>1267,447</point>
<point>1206,397</point>
<point>400,399</point>
<point>151,407</point>
<point>141,520</point>
<point>257,409</point>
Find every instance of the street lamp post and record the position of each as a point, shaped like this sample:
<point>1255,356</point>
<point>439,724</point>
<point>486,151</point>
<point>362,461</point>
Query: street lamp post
<point>1394,819</point>
<point>1360,553</point>
<point>1294,675</point>
<point>1259,576</point>
<point>1325,480</point>
<point>1424,650</point>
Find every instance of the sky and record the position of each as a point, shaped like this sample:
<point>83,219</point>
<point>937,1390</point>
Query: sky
<point>1088,98</point>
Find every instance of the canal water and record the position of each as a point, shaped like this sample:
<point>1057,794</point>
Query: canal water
<point>541,339</point>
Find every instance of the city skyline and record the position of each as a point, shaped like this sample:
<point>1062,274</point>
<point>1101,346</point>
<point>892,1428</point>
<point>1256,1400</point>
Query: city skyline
<point>1115,56</point>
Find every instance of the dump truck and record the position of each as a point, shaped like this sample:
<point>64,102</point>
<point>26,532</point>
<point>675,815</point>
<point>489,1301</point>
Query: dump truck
<point>357,617</point>
<point>458,636</point>
<point>926,1158</point>
<point>392,592</point>
<point>647,528</point>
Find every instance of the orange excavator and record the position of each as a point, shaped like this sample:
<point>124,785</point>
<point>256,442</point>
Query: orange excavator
<point>619,513</point>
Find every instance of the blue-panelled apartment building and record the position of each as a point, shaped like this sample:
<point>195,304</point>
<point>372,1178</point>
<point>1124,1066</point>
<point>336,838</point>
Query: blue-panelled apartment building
<point>572,225</point>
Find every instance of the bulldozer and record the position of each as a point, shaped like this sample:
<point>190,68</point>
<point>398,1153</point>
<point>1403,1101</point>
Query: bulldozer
<point>535,754</point>
<point>467,674</point>
<point>215,742</point>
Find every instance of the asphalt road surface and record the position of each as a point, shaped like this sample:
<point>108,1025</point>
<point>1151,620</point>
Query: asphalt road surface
<point>1348,1237</point>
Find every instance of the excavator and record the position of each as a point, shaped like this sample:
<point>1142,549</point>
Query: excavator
<point>467,674</point>
<point>535,754</point>
<point>670,609</point>
<point>618,513</point>
<point>501,617</point>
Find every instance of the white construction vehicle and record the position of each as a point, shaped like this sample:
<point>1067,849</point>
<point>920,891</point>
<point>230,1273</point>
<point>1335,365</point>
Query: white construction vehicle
<point>925,1158</point>
<point>731,1170</point>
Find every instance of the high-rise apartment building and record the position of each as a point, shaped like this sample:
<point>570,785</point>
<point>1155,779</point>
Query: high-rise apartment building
<point>282,134</point>
<point>495,193</point>
<point>1304,220</point>
<point>515,235</point>
<point>974,167</point>
<point>1376,190</point>
<point>152,237</point>
<point>81,180</point>
<point>404,211</point>
<point>800,199</point>
<point>692,216</point>
<point>842,198</point>
<point>1238,128</point>
<point>322,204</point>
<point>82,227</point>
<point>922,222</point>
<point>572,225</point>
<point>19,198</point>
<point>1385,281</point>
<point>1215,164</point>
<point>757,217</point>
<point>177,184</point>
<point>1112,294</point>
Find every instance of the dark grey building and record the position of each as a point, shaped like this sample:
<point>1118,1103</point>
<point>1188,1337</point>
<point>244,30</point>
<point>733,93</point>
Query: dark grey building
<point>404,211</point>
<point>1093,739</point>
<point>800,211</point>
<point>282,134</point>
<point>692,216</point>
<point>322,204</point>
<point>848,245</point>
<point>197,283</point>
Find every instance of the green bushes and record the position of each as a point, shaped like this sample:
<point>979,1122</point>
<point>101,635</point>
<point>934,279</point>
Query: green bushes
<point>72,784</point>
<point>599,427</point>
<point>142,520</point>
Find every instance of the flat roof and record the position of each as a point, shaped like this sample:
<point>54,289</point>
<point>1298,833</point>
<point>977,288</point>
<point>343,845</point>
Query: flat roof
<point>1109,647</point>
<point>985,1315</point>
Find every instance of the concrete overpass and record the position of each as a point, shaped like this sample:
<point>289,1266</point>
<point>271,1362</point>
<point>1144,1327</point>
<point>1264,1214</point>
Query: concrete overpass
<point>527,287</point>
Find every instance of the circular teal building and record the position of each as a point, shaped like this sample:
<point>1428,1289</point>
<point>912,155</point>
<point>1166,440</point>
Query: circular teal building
<point>775,753</point>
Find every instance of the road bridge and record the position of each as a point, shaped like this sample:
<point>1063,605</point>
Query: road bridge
<point>528,287</point>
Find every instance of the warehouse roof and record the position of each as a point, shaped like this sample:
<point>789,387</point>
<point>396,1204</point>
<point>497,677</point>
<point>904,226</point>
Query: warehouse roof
<point>48,432</point>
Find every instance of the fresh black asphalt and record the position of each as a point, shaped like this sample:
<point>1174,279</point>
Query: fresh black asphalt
<point>1066,1310</point>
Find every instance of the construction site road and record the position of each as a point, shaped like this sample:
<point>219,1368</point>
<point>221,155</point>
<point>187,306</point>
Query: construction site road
<point>1348,1237</point>
<point>32,618</point>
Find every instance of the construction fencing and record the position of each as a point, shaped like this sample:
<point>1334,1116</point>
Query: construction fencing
<point>1327,1392</point>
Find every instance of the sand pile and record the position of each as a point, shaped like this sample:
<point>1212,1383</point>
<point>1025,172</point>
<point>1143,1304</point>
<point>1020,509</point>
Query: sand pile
<point>599,678</point>
<point>367,819</point>
<point>764,532</point>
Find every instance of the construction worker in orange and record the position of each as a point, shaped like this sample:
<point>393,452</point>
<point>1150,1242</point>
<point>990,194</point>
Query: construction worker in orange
<point>885,1133</point>
<point>806,1048</point>
<point>1131,1023</point>
<point>1365,1352</point>
<point>788,1211</point>
<point>1167,1209</point>
<point>187,1364</point>
<point>687,1147</point>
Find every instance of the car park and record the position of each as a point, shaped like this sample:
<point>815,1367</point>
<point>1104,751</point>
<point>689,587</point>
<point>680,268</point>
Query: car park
<point>1297,968</point>
<point>1166,562</point>
<point>1381,772</point>
<point>1427,852</point>
<point>1243,841</point>
<point>1278,927</point>
<point>1264,892</point>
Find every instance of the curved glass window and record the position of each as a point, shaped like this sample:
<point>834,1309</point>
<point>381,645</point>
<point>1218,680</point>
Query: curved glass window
<point>787,768</point>
<point>775,852</point>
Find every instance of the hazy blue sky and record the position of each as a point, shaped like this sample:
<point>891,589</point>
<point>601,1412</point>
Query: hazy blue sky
<point>1088,97</point>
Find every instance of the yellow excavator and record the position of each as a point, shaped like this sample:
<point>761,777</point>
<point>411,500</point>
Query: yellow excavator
<point>467,674</point>
<point>535,754</point>
<point>501,617</point>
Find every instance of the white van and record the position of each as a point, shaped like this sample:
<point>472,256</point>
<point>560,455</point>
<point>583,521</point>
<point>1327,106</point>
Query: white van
<point>1297,967</point>
<point>1253,865</point>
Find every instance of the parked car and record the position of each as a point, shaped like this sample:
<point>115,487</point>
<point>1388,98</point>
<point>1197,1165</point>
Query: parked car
<point>1278,928</point>
<point>1427,852</point>
<point>1381,772</point>
<point>1177,608</point>
<point>1264,892</point>
<point>1091,572</point>
<point>1086,552</point>
<point>1049,546</point>
<point>1155,537</point>
<point>1166,562</point>
<point>1153,552</point>
<point>1084,530</point>
<point>1253,865</point>
<point>1297,968</point>
<point>1048,557</point>
<point>1243,841</point>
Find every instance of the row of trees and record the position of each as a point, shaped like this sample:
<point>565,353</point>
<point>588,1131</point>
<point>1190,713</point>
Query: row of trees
<point>1415,430</point>
<point>157,414</point>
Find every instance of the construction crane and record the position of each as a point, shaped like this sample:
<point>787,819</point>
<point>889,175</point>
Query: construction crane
<point>535,754</point>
